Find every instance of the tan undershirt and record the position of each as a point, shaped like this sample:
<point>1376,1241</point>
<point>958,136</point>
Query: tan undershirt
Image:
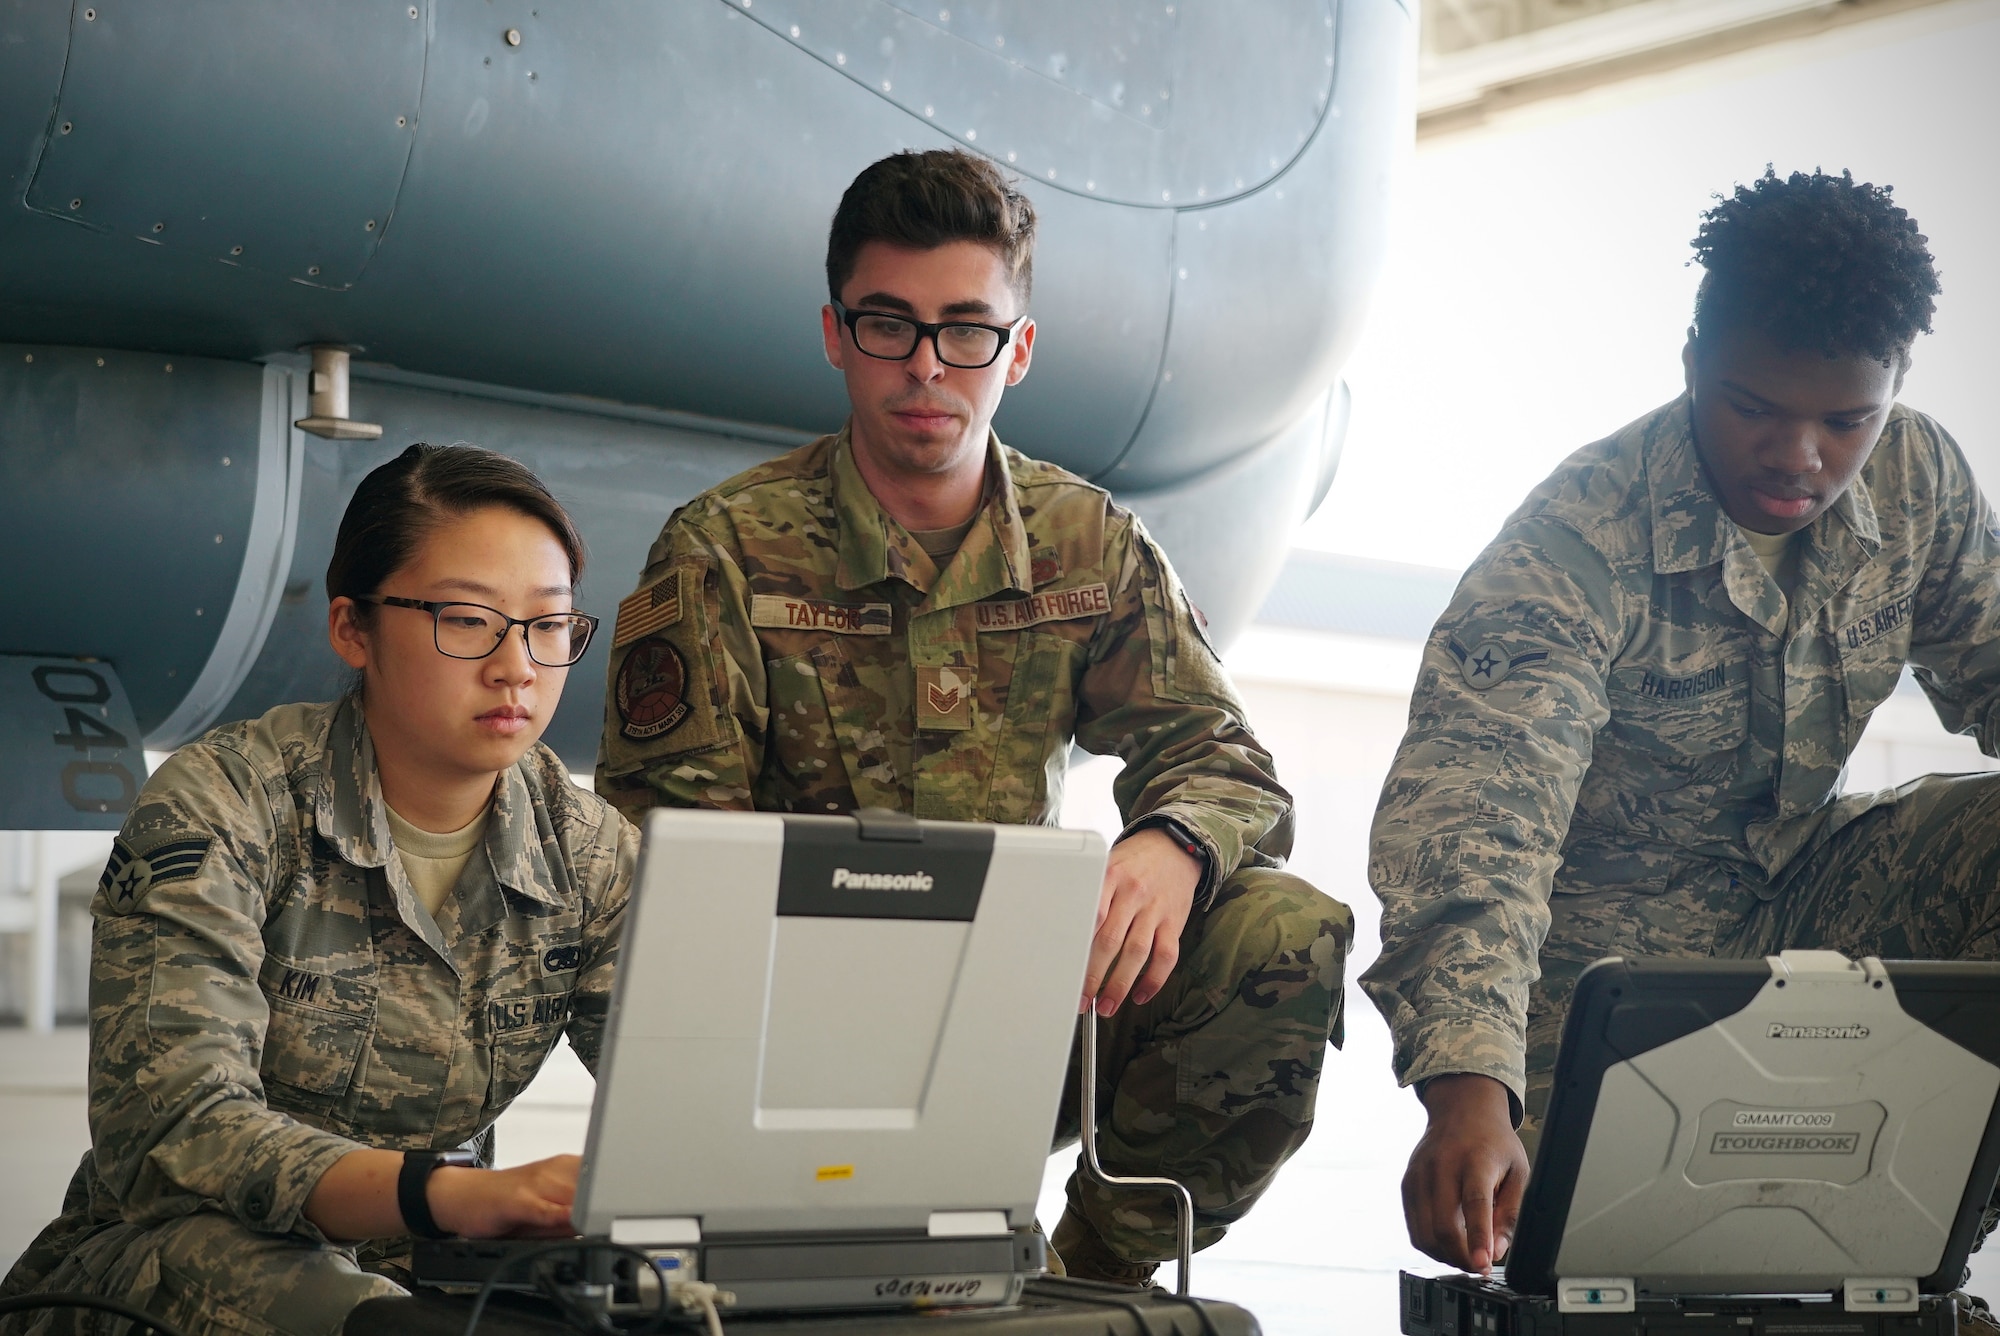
<point>432,861</point>
<point>1779,552</point>
<point>941,545</point>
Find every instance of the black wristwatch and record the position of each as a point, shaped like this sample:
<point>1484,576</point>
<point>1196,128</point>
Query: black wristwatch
<point>413,1187</point>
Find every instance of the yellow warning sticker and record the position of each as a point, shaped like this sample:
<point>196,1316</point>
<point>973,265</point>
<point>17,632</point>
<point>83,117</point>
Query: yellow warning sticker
<point>827,1173</point>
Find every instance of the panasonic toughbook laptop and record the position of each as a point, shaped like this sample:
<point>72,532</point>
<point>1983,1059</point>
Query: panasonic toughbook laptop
<point>835,1053</point>
<point>1801,1144</point>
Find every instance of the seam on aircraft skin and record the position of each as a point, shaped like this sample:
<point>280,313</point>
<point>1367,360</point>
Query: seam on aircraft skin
<point>1334,8</point>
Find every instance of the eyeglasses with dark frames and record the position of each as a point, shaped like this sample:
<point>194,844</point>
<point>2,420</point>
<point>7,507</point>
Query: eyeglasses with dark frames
<point>474,631</point>
<point>965,344</point>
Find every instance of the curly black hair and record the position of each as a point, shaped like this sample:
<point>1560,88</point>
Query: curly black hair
<point>1816,263</point>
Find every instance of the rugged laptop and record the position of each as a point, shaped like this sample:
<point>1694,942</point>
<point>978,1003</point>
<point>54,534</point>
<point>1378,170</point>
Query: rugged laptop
<point>834,1058</point>
<point>1800,1144</point>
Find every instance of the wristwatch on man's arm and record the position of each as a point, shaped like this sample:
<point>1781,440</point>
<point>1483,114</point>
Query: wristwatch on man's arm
<point>1190,844</point>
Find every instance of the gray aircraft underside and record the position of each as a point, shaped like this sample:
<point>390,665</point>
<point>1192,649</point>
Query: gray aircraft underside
<point>590,233</point>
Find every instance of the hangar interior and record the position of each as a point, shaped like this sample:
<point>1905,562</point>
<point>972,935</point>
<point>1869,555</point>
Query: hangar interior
<point>1555,155</point>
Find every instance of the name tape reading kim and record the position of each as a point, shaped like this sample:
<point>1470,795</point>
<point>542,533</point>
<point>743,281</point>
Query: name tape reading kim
<point>845,880</point>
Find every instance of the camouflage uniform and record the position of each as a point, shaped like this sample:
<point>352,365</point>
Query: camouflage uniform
<point>1625,739</point>
<point>791,648</point>
<point>268,994</point>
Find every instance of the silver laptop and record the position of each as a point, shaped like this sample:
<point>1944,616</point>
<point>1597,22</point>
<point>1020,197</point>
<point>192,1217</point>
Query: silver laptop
<point>835,1053</point>
<point>1800,1124</point>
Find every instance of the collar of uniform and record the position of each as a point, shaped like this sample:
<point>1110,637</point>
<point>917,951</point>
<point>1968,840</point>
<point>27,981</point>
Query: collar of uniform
<point>1690,528</point>
<point>353,818</point>
<point>873,547</point>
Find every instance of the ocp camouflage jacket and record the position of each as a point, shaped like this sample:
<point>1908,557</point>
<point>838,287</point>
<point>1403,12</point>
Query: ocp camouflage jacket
<point>792,648</point>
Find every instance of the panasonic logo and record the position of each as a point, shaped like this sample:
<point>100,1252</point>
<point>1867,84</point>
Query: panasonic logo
<point>1780,1030</point>
<point>844,880</point>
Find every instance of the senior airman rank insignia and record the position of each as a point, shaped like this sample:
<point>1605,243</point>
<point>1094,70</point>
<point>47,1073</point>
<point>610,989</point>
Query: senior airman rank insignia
<point>128,875</point>
<point>1489,664</point>
<point>944,699</point>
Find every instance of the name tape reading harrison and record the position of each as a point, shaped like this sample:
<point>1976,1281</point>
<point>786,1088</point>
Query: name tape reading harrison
<point>844,880</point>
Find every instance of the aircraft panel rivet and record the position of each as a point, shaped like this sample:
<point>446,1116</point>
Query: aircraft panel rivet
<point>76,204</point>
<point>235,250</point>
<point>90,16</point>
<point>513,37</point>
<point>67,127</point>
<point>159,227</point>
<point>170,368</point>
<point>413,11</point>
<point>368,226</point>
<point>313,271</point>
<point>402,121</point>
<point>100,361</point>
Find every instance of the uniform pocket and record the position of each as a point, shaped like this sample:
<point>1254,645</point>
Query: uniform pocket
<point>1032,753</point>
<point>313,1040</point>
<point>1685,720</point>
<point>520,1031</point>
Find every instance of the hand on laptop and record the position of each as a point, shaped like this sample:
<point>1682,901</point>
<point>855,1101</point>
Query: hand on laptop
<point>529,1201</point>
<point>1462,1192</point>
<point>1149,886</point>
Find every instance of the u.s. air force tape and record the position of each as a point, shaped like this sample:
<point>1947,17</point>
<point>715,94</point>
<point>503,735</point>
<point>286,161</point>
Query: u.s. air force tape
<point>1489,664</point>
<point>129,875</point>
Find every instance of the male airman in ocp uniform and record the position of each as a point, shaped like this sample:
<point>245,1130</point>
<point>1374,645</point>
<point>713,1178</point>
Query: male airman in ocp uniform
<point>1630,727</point>
<point>909,615</point>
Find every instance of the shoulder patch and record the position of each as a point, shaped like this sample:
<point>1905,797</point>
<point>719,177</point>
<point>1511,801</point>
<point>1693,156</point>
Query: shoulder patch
<point>815,614</point>
<point>129,875</point>
<point>654,607</point>
<point>650,694</point>
<point>1489,664</point>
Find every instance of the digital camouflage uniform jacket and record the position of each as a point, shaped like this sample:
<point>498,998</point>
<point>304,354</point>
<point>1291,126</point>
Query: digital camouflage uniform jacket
<point>268,994</point>
<point>1619,693</point>
<point>792,648</point>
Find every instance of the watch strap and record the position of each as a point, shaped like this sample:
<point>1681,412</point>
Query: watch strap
<point>413,1188</point>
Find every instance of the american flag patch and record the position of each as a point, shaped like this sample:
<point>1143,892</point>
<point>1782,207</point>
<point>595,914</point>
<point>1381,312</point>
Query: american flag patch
<point>653,608</point>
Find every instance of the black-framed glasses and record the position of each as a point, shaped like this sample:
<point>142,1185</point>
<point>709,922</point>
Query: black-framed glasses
<point>473,630</point>
<point>965,344</point>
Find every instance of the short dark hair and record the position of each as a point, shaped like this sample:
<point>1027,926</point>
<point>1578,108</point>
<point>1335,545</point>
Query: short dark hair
<point>399,502</point>
<point>925,200</point>
<point>1816,263</point>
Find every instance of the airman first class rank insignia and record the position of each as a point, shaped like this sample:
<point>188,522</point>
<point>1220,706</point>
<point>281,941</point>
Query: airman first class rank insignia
<point>653,608</point>
<point>812,614</point>
<point>1490,664</point>
<point>128,876</point>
